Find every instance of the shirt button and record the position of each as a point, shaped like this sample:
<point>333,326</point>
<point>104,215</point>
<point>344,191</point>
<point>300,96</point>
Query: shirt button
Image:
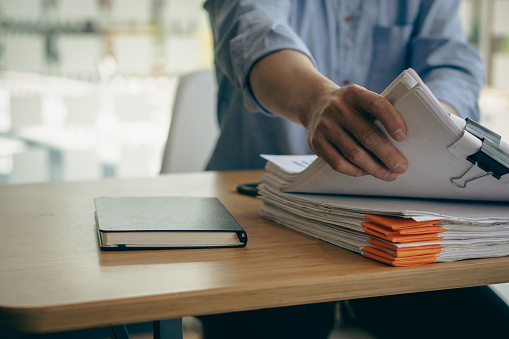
<point>348,18</point>
<point>346,82</point>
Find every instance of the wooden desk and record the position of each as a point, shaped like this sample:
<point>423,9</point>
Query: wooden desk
<point>53,276</point>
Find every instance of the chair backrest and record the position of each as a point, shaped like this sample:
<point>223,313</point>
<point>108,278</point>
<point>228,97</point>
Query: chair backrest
<point>193,128</point>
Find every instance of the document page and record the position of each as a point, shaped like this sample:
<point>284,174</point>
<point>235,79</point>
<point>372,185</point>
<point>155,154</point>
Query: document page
<point>431,163</point>
<point>426,215</point>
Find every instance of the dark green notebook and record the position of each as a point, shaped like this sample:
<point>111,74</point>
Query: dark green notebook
<point>165,222</point>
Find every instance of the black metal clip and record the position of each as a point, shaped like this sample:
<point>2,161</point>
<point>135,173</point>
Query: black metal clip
<point>490,158</point>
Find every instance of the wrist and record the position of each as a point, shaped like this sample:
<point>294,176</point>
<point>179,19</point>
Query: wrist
<point>314,100</point>
<point>287,84</point>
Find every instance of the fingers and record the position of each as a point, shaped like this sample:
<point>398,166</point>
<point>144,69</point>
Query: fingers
<point>327,151</point>
<point>346,155</point>
<point>351,143</point>
<point>375,104</point>
<point>368,137</point>
<point>371,153</point>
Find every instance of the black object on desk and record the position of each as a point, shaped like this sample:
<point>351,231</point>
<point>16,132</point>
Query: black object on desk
<point>166,222</point>
<point>248,189</point>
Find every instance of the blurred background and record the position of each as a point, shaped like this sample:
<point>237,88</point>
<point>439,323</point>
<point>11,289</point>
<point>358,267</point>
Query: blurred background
<point>87,86</point>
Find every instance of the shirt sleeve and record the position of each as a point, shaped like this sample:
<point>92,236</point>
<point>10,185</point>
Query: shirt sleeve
<point>244,32</point>
<point>441,55</point>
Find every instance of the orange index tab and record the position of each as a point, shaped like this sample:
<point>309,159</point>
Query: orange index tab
<point>405,231</point>
<point>422,230</point>
<point>419,260</point>
<point>378,228</point>
<point>395,238</point>
<point>387,255</point>
<point>396,223</point>
<point>380,244</point>
<point>411,252</point>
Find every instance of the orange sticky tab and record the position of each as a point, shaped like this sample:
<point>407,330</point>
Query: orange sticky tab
<point>395,223</point>
<point>405,231</point>
<point>377,258</point>
<point>418,252</point>
<point>415,251</point>
<point>404,238</point>
<point>386,255</point>
<point>422,230</point>
<point>380,253</point>
<point>379,243</point>
<point>378,228</point>
<point>401,262</point>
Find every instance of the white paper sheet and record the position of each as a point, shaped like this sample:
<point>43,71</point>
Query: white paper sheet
<point>431,166</point>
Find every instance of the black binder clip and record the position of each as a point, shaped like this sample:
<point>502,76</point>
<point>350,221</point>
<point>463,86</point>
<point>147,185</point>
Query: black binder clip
<point>490,158</point>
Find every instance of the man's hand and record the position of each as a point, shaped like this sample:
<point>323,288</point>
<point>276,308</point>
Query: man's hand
<point>339,120</point>
<point>343,134</point>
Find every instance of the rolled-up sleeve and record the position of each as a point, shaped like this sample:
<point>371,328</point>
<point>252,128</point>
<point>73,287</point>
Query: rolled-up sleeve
<point>450,67</point>
<point>246,31</point>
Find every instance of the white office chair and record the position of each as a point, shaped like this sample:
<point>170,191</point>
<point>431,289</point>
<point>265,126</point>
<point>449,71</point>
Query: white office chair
<point>193,127</point>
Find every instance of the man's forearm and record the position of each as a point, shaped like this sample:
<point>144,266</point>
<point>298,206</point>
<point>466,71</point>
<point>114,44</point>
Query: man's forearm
<point>287,84</point>
<point>337,118</point>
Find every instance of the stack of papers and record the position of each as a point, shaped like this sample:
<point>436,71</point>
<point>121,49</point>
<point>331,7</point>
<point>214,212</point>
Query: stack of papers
<point>429,214</point>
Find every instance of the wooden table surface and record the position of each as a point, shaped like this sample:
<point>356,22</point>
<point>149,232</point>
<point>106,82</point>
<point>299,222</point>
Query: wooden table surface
<point>54,277</point>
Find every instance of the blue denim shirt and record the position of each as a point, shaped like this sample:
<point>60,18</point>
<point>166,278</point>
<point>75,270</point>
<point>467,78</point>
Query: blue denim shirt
<point>364,42</point>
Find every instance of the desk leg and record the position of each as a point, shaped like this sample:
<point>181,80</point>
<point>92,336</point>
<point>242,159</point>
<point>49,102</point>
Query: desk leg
<point>118,332</point>
<point>168,329</point>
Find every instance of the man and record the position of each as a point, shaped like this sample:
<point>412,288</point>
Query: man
<point>303,76</point>
<point>289,58</point>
